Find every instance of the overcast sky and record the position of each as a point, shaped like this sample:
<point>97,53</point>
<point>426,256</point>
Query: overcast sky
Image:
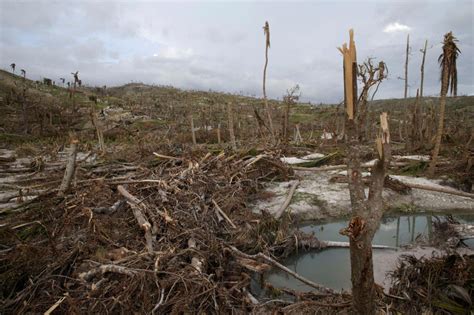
<point>220,45</point>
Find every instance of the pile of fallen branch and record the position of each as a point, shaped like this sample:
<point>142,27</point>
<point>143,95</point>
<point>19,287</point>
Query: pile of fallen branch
<point>172,235</point>
<point>438,285</point>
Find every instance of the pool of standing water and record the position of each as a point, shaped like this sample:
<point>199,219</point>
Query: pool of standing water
<point>331,267</point>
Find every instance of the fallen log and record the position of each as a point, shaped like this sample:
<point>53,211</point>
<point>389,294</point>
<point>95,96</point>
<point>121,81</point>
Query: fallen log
<point>440,189</point>
<point>389,182</point>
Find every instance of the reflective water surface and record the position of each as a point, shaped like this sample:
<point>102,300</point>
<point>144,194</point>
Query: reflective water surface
<point>332,267</point>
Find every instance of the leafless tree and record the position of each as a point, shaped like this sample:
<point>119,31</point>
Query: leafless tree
<point>291,97</point>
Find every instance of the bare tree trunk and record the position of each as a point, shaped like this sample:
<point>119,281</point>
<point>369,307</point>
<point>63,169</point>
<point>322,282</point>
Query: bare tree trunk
<point>230,116</point>
<point>286,122</point>
<point>193,131</point>
<point>439,132</point>
<point>415,126</point>
<point>406,65</point>
<point>267,106</point>
<point>219,133</point>
<point>98,130</point>
<point>366,213</point>
<point>423,68</point>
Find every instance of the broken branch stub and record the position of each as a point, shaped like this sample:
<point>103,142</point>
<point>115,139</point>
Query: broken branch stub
<point>70,167</point>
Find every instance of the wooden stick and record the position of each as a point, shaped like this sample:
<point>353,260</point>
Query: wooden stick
<point>165,156</point>
<point>287,200</point>
<point>280,266</point>
<point>320,169</point>
<point>139,213</point>
<point>70,167</point>
<point>55,305</point>
<point>223,214</point>
<point>335,244</point>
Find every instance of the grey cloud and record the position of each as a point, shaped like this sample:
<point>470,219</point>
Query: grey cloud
<point>221,46</point>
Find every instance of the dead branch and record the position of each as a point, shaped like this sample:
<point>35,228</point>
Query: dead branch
<point>223,214</point>
<point>138,209</point>
<point>285,205</point>
<point>285,269</point>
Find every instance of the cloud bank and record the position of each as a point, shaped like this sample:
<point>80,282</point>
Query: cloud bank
<point>220,45</point>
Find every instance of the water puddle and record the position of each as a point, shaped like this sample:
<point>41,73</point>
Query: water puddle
<point>331,267</point>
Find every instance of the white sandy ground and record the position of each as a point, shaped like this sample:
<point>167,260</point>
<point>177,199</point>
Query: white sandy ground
<point>386,261</point>
<point>316,198</point>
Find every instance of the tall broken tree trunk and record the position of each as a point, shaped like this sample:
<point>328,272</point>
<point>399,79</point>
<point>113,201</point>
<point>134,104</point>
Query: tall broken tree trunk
<point>414,137</point>
<point>230,116</point>
<point>406,65</point>
<point>70,168</point>
<point>366,213</point>
<point>423,51</point>
<point>193,130</point>
<point>219,133</point>
<point>98,131</point>
<point>266,30</point>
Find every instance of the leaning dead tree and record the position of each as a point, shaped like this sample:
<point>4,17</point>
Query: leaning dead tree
<point>266,30</point>
<point>449,80</point>
<point>366,212</point>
